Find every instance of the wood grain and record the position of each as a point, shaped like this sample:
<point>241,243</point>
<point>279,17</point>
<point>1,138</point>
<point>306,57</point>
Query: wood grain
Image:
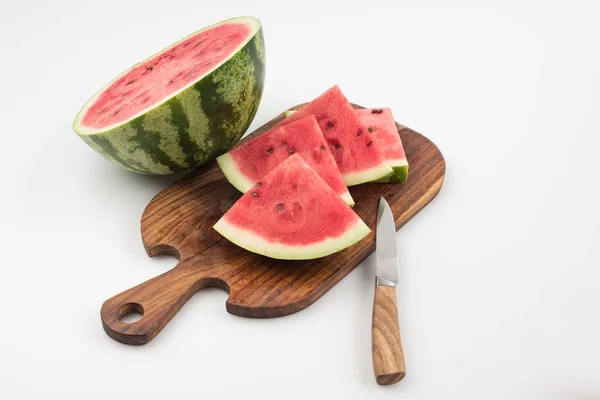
<point>179,220</point>
<point>388,358</point>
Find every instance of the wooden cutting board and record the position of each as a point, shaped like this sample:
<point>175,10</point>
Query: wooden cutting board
<point>179,220</point>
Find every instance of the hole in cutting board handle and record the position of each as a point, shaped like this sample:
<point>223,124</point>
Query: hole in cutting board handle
<point>130,313</point>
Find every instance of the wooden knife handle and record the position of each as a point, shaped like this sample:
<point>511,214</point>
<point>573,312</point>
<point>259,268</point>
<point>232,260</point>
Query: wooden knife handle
<point>388,358</point>
<point>158,300</point>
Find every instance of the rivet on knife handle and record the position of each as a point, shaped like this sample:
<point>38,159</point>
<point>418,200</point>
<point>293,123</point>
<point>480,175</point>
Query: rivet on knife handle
<point>388,358</point>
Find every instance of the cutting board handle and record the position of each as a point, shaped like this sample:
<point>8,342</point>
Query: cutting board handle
<point>157,300</point>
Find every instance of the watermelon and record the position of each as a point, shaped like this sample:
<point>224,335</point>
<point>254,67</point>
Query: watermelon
<point>385,131</point>
<point>247,163</point>
<point>382,122</point>
<point>183,106</point>
<point>292,214</point>
<point>359,157</point>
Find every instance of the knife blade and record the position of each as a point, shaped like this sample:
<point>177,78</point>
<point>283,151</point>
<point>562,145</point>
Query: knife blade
<point>386,251</point>
<point>386,346</point>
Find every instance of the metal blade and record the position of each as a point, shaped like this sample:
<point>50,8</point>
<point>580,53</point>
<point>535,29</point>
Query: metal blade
<point>386,252</point>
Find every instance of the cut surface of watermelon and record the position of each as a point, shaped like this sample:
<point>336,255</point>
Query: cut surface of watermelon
<point>358,156</point>
<point>292,214</point>
<point>161,76</point>
<point>385,132</point>
<point>247,163</point>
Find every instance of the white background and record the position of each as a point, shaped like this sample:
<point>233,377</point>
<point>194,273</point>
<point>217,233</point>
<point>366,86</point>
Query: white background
<point>498,293</point>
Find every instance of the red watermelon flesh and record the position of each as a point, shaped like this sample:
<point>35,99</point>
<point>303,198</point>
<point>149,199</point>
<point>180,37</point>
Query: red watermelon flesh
<point>385,131</point>
<point>163,75</point>
<point>358,156</point>
<point>247,163</point>
<point>292,213</point>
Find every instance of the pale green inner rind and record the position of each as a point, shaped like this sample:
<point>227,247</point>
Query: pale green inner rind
<point>83,130</point>
<point>368,175</point>
<point>256,244</point>
<point>347,198</point>
<point>233,174</point>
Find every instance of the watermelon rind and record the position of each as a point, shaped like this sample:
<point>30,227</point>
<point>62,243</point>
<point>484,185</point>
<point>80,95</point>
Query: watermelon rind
<point>400,174</point>
<point>256,244</point>
<point>194,125</point>
<point>381,171</point>
<point>243,184</point>
<point>233,173</point>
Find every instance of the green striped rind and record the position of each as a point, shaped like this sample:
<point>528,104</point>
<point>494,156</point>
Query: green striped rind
<point>193,127</point>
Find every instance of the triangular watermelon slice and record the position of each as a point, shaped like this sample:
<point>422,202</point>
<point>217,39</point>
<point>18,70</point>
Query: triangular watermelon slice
<point>247,163</point>
<point>385,131</point>
<point>292,214</point>
<point>358,155</point>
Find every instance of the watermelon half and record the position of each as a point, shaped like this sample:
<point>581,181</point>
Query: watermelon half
<point>385,131</point>
<point>357,154</point>
<point>247,163</point>
<point>292,214</point>
<point>183,106</point>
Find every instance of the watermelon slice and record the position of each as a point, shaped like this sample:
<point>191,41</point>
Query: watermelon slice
<point>248,163</point>
<point>183,106</point>
<point>358,155</point>
<point>385,131</point>
<point>292,214</point>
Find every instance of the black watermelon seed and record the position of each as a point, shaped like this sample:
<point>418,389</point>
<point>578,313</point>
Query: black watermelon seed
<point>130,82</point>
<point>254,194</point>
<point>197,44</point>
<point>284,143</point>
<point>370,129</point>
<point>359,133</point>
<point>329,124</point>
<point>171,81</point>
<point>270,150</point>
<point>186,44</point>
<point>291,151</point>
<point>337,146</point>
<point>323,147</point>
<point>149,68</point>
<point>116,112</point>
<point>370,143</point>
<point>377,111</point>
<point>259,183</point>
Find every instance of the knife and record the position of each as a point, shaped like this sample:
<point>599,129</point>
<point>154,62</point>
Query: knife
<point>388,358</point>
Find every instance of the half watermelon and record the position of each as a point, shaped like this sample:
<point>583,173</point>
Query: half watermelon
<point>358,156</point>
<point>183,106</point>
<point>382,123</point>
<point>247,163</point>
<point>292,214</point>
